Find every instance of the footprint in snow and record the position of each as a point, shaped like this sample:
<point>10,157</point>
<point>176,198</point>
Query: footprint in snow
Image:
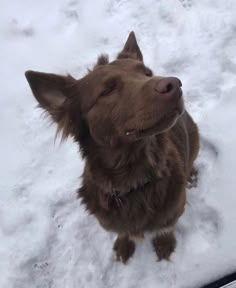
<point>17,29</point>
<point>186,3</point>
<point>200,227</point>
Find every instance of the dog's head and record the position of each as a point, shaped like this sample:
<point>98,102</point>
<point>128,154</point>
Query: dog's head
<point>117,102</point>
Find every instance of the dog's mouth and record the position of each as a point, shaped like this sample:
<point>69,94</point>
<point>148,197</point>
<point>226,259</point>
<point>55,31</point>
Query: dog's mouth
<point>164,124</point>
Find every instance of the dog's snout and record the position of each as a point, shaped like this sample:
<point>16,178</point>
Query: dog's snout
<point>167,85</point>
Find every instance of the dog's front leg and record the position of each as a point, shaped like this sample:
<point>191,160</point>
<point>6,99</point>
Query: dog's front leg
<point>164,243</point>
<point>124,247</point>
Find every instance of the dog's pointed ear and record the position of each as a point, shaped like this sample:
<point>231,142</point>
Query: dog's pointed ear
<point>51,91</point>
<point>54,94</point>
<point>131,49</point>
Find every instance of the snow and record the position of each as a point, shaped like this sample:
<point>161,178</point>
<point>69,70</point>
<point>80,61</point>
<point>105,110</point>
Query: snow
<point>47,238</point>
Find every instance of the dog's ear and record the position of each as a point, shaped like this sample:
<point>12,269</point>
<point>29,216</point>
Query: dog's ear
<point>131,49</point>
<point>53,92</point>
<point>50,90</point>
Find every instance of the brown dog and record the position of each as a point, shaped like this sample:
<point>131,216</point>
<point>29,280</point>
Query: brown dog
<point>138,142</point>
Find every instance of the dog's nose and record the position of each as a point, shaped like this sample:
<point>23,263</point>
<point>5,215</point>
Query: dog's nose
<point>167,85</point>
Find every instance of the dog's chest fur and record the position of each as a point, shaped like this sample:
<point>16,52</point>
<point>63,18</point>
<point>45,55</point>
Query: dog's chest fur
<point>147,183</point>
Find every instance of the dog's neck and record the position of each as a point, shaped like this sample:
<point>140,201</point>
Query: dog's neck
<point>128,167</point>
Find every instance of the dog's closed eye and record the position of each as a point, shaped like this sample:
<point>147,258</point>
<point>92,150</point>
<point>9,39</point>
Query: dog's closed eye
<point>143,69</point>
<point>110,85</point>
<point>148,72</point>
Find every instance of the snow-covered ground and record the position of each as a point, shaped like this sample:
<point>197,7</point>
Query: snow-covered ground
<point>47,239</point>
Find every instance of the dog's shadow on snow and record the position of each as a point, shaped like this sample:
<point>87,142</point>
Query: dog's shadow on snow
<point>201,224</point>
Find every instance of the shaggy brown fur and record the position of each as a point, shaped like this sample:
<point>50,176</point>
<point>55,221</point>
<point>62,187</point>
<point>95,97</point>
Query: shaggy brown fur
<point>138,142</point>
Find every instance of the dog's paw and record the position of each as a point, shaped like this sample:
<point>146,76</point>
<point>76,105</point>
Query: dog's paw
<point>164,246</point>
<point>124,248</point>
